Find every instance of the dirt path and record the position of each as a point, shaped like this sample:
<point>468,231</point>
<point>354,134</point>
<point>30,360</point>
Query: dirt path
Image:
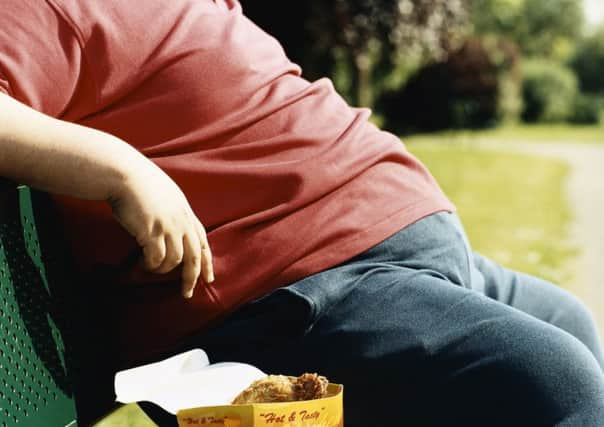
<point>585,192</point>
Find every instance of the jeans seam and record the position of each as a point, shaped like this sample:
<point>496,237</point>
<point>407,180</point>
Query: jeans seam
<point>467,250</point>
<point>312,320</point>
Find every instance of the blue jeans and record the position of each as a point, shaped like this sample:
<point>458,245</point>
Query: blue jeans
<point>422,331</point>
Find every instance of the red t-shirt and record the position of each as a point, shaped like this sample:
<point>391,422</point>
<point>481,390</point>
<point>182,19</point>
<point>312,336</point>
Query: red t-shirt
<point>286,177</point>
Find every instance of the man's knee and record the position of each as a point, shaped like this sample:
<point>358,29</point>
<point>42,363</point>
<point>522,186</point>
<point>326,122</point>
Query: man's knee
<point>528,373</point>
<point>548,371</point>
<point>573,316</point>
<point>552,354</point>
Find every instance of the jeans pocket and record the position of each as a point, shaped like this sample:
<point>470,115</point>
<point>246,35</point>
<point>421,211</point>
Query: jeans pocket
<point>274,320</point>
<point>282,313</point>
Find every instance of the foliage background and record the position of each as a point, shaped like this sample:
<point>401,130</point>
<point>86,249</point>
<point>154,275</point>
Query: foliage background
<point>426,65</point>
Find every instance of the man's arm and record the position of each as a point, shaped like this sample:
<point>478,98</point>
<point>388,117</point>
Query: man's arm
<point>65,158</point>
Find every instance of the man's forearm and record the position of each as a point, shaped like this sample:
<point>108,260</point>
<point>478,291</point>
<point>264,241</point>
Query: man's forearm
<point>65,158</point>
<point>61,157</point>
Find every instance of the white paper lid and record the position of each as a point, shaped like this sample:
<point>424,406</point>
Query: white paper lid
<point>185,381</point>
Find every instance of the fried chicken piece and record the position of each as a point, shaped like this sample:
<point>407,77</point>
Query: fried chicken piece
<point>310,386</point>
<point>279,388</point>
<point>274,388</point>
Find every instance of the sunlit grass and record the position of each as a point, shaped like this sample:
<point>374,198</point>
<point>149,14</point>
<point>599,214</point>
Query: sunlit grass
<point>126,416</point>
<point>519,133</point>
<point>512,205</point>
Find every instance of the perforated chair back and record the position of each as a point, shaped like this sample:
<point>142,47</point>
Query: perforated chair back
<point>34,386</point>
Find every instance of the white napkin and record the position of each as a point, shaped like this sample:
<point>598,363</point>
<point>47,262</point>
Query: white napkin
<point>186,380</point>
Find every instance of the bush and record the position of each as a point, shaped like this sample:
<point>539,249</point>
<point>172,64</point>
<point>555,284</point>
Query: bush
<point>588,63</point>
<point>549,91</point>
<point>426,103</point>
<point>586,110</point>
<point>462,92</point>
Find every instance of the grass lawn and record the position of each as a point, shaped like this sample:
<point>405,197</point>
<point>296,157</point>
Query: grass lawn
<point>126,416</point>
<point>524,133</point>
<point>512,205</point>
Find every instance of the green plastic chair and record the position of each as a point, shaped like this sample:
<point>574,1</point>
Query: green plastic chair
<point>35,388</point>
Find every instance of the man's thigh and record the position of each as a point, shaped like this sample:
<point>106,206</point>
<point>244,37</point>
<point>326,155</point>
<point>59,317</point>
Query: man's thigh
<point>540,299</point>
<point>441,353</point>
<point>409,344</point>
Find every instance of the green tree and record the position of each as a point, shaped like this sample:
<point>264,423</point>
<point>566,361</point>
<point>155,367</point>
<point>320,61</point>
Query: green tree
<point>361,42</point>
<point>545,28</point>
<point>549,91</point>
<point>588,63</point>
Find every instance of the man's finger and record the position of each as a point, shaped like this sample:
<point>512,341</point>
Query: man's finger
<point>154,252</point>
<point>174,253</point>
<point>191,263</point>
<point>206,254</point>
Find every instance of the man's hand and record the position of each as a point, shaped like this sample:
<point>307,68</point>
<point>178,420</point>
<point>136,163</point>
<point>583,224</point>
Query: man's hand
<point>152,208</point>
<point>65,158</point>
